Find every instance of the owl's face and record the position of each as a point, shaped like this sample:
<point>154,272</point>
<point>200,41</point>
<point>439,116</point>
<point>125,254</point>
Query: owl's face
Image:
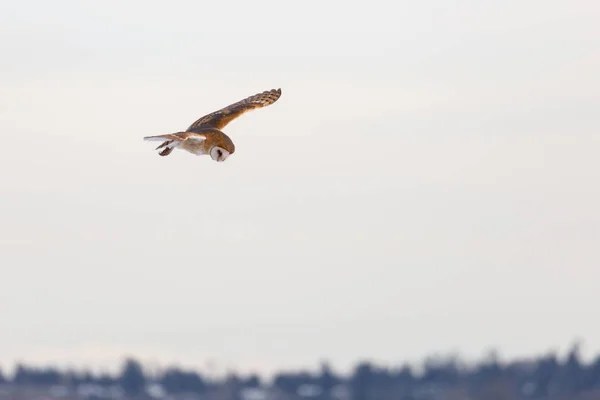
<point>219,154</point>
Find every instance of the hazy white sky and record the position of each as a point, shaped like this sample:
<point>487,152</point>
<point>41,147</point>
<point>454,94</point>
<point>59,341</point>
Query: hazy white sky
<point>428,181</point>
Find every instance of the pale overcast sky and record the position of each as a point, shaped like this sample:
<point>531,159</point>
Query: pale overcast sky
<point>428,181</point>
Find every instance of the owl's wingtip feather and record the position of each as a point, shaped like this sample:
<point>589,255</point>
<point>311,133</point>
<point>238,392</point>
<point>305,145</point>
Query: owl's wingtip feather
<point>153,138</point>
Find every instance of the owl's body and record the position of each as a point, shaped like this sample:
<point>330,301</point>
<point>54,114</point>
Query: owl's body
<point>204,136</point>
<point>199,142</point>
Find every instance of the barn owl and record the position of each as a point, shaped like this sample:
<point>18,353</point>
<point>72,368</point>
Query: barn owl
<point>204,136</point>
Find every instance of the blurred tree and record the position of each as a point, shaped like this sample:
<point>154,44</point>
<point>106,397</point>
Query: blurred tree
<point>176,381</point>
<point>327,380</point>
<point>441,370</point>
<point>545,375</point>
<point>488,370</point>
<point>361,381</point>
<point>132,379</point>
<point>87,377</point>
<point>21,376</point>
<point>253,381</point>
<point>105,379</point>
<point>290,382</point>
<point>404,382</point>
<point>37,377</point>
<point>573,372</point>
<point>592,376</point>
<point>542,377</point>
<point>404,375</point>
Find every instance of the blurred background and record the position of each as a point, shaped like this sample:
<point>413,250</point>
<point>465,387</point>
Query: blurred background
<point>415,218</point>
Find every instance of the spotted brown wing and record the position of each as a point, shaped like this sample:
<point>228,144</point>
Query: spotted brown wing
<point>219,119</point>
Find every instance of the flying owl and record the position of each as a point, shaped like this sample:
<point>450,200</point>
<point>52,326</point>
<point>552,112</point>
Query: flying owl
<point>204,136</point>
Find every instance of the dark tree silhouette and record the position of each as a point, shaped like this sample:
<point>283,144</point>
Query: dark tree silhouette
<point>253,381</point>
<point>572,374</point>
<point>37,376</point>
<point>542,378</point>
<point>592,375</point>
<point>441,371</point>
<point>106,380</point>
<point>361,381</point>
<point>132,378</point>
<point>176,380</point>
<point>546,372</point>
<point>327,380</point>
<point>290,382</point>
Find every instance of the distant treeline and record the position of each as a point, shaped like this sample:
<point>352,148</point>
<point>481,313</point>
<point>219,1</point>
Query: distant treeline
<point>538,377</point>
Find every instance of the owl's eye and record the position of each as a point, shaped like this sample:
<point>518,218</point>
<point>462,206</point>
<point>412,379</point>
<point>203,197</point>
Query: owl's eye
<point>220,153</point>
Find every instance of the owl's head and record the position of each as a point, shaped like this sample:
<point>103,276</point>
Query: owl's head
<point>221,146</point>
<point>219,154</point>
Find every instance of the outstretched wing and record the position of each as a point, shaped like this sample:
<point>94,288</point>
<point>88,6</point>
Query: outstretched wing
<point>219,119</point>
<point>174,137</point>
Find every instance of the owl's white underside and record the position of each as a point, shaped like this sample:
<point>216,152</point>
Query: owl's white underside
<point>178,144</point>
<point>216,153</point>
